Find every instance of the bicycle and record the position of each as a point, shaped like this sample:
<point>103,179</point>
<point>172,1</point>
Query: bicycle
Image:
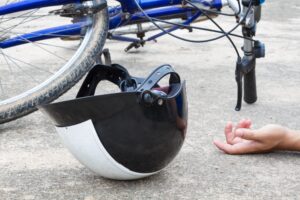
<point>76,31</point>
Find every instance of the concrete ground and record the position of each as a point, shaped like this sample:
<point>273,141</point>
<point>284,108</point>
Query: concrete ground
<point>35,165</point>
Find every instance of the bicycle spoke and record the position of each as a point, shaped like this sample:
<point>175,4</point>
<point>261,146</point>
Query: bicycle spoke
<point>1,52</point>
<point>2,90</point>
<point>20,17</point>
<point>50,34</point>
<point>35,44</point>
<point>14,26</point>
<point>25,18</point>
<point>33,66</point>
<point>24,15</point>
<point>28,41</point>
<point>52,45</point>
<point>16,64</point>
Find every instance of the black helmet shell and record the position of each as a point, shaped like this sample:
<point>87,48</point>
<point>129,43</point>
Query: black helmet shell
<point>137,136</point>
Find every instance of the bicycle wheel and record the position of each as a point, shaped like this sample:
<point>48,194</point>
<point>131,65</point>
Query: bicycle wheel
<point>38,72</point>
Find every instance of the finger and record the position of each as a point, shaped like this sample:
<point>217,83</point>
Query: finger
<point>220,145</point>
<point>248,123</point>
<point>244,123</point>
<point>246,134</point>
<point>241,124</point>
<point>238,149</point>
<point>228,132</point>
<point>237,140</point>
<point>226,148</point>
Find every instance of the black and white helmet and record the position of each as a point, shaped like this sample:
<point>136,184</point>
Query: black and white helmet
<point>126,135</point>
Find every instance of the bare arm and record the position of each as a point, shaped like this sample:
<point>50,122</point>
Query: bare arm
<point>291,141</point>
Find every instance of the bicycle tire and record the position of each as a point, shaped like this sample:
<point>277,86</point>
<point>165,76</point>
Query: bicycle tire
<point>27,102</point>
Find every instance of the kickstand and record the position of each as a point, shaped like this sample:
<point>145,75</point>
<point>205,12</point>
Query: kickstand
<point>104,58</point>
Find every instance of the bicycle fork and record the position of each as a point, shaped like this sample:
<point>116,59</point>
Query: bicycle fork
<point>245,67</point>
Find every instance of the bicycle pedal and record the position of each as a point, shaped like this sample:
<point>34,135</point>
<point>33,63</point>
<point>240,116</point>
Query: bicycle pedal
<point>134,45</point>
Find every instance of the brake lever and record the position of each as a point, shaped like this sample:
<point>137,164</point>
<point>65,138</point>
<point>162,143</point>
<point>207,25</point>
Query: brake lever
<point>243,66</point>
<point>239,81</point>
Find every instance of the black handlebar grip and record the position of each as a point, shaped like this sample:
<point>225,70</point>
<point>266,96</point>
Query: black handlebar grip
<point>250,93</point>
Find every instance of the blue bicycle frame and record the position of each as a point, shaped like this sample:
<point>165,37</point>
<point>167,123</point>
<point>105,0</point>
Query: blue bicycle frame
<point>153,8</point>
<point>130,12</point>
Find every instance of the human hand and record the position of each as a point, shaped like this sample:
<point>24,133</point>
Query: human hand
<point>243,140</point>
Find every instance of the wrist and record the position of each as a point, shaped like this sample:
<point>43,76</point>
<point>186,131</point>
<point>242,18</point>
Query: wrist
<point>291,140</point>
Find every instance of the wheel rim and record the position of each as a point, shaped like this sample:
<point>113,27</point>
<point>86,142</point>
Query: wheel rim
<point>59,55</point>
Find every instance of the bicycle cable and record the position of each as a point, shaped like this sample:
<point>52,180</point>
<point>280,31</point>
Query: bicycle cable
<point>221,29</point>
<point>225,14</point>
<point>201,28</point>
<point>194,41</point>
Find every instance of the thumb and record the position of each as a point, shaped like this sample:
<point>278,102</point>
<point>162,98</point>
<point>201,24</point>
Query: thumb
<point>246,134</point>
